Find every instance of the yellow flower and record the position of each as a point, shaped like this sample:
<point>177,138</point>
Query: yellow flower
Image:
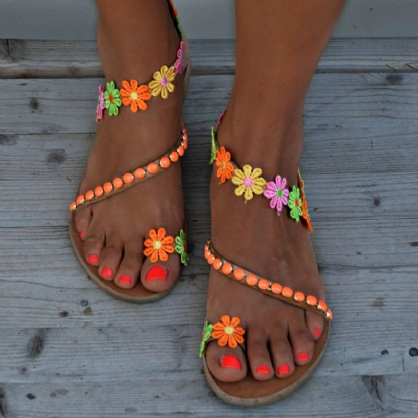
<point>162,83</point>
<point>249,181</point>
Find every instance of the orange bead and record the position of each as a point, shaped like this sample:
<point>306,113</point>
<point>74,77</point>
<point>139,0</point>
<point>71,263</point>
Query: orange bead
<point>287,292</point>
<point>185,142</point>
<point>330,313</point>
<point>117,183</point>
<point>174,157</point>
<point>80,200</point>
<point>217,264</point>
<point>252,279</point>
<point>180,150</point>
<point>227,268</point>
<point>152,168</point>
<point>98,191</point>
<point>165,162</point>
<point>128,178</point>
<point>211,258</point>
<point>73,206</point>
<point>322,305</point>
<point>263,284</point>
<point>139,173</point>
<point>108,187</point>
<point>239,274</point>
<point>89,194</point>
<point>299,296</point>
<point>311,300</point>
<point>276,288</point>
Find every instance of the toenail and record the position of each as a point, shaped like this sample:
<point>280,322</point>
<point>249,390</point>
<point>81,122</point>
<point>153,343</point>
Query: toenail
<point>81,234</point>
<point>156,273</point>
<point>317,332</point>
<point>283,369</point>
<point>93,258</point>
<point>231,362</point>
<point>125,279</point>
<point>303,357</point>
<point>263,369</point>
<point>106,272</point>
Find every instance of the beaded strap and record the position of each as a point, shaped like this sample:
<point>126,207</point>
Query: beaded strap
<point>134,177</point>
<point>273,289</point>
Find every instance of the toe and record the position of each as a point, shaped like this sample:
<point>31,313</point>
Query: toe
<point>315,324</point>
<point>82,221</point>
<point>110,258</point>
<point>259,356</point>
<point>129,269</point>
<point>301,339</point>
<point>93,245</point>
<point>225,363</point>
<point>281,352</point>
<point>158,277</point>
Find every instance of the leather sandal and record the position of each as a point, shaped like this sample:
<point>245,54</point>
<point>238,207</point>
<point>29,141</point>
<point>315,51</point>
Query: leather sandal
<point>134,95</point>
<point>249,182</point>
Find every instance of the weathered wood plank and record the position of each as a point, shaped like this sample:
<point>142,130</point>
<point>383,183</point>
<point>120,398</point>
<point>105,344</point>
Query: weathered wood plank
<point>28,59</point>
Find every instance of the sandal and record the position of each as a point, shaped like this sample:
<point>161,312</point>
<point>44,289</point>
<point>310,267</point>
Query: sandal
<point>135,95</point>
<point>249,391</point>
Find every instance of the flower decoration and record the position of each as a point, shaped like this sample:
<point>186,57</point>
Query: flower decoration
<point>225,167</point>
<point>249,181</point>
<point>295,204</point>
<point>277,192</point>
<point>112,99</point>
<point>221,116</point>
<point>181,247</point>
<point>213,147</point>
<point>162,83</point>
<point>228,332</point>
<point>305,213</point>
<point>134,95</point>
<point>173,8</point>
<point>178,65</point>
<point>158,245</point>
<point>207,333</point>
<point>100,104</point>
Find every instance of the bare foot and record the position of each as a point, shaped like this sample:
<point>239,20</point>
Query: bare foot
<point>278,336</point>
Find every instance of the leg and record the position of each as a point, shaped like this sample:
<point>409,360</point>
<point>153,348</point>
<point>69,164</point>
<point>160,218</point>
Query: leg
<point>279,44</point>
<point>135,39</point>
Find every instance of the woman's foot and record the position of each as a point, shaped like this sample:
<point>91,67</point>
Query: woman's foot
<point>135,39</point>
<point>278,336</point>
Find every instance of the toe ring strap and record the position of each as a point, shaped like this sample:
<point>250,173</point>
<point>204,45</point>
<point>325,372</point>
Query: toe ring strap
<point>273,289</point>
<point>227,332</point>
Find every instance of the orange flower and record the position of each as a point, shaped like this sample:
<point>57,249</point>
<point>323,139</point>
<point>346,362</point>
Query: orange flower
<point>135,96</point>
<point>222,160</point>
<point>158,245</point>
<point>305,213</point>
<point>228,331</point>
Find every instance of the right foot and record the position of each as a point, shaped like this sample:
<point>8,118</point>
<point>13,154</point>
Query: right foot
<point>113,230</point>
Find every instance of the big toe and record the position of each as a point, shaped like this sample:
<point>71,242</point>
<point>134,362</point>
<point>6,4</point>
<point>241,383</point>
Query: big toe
<point>160,276</point>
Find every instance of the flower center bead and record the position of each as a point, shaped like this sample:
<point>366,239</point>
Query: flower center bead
<point>279,193</point>
<point>248,182</point>
<point>164,81</point>
<point>134,95</point>
<point>296,202</point>
<point>157,245</point>
<point>229,330</point>
<point>223,165</point>
<point>110,98</point>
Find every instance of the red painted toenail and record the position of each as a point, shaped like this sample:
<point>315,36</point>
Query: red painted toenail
<point>231,362</point>
<point>303,357</point>
<point>93,258</point>
<point>263,369</point>
<point>81,234</point>
<point>125,279</point>
<point>317,332</point>
<point>283,369</point>
<point>156,273</point>
<point>106,272</point>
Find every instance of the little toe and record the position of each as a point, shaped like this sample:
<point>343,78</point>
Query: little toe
<point>225,363</point>
<point>301,340</point>
<point>110,258</point>
<point>259,356</point>
<point>160,276</point>
<point>129,269</point>
<point>82,221</point>
<point>281,352</point>
<point>315,324</point>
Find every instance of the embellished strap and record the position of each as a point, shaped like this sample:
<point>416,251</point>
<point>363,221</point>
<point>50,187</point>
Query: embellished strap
<point>247,278</point>
<point>227,332</point>
<point>159,245</point>
<point>134,177</point>
<point>249,182</point>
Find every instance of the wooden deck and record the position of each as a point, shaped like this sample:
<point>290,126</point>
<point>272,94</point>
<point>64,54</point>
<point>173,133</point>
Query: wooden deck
<point>68,350</point>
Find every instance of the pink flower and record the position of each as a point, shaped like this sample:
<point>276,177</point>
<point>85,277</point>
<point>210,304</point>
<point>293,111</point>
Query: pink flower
<point>278,193</point>
<point>178,65</point>
<point>100,104</point>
